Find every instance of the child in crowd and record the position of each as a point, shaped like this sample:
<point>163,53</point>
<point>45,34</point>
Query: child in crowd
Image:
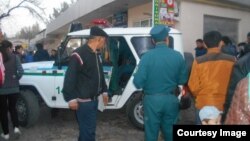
<point>210,115</point>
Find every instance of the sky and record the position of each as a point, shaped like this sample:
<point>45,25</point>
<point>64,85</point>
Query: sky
<point>22,18</point>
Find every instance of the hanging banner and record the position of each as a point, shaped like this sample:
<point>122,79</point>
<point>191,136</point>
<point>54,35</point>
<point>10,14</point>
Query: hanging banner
<point>163,12</point>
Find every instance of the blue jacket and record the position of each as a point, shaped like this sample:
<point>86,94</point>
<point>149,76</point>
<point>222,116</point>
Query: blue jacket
<point>160,71</point>
<point>200,51</point>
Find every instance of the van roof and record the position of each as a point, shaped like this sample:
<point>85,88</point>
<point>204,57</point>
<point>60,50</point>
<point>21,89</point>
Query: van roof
<point>122,31</point>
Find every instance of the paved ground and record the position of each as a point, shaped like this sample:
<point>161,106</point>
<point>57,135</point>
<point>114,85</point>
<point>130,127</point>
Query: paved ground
<point>112,126</point>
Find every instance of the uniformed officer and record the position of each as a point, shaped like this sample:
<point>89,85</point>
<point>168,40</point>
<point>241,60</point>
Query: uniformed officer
<point>159,72</point>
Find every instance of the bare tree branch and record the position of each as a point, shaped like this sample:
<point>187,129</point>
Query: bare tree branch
<point>35,13</point>
<point>11,9</point>
<point>31,5</point>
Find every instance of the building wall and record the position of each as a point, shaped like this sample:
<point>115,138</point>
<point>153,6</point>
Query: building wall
<point>191,21</point>
<point>138,13</point>
<point>77,10</point>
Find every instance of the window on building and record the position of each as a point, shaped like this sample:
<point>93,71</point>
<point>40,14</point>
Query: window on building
<point>137,24</point>
<point>143,23</point>
<point>226,26</point>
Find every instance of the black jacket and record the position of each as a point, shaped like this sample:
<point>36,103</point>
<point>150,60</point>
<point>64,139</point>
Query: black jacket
<point>240,70</point>
<point>84,77</point>
<point>41,55</point>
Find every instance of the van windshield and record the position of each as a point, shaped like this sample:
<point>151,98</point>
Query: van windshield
<point>143,44</point>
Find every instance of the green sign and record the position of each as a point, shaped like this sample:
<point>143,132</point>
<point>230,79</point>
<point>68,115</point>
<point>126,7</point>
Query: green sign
<point>163,12</point>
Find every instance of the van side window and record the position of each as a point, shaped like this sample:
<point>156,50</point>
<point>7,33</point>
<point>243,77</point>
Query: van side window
<point>67,49</point>
<point>72,45</point>
<point>143,44</point>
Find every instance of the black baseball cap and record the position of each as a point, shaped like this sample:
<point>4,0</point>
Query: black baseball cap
<point>97,31</point>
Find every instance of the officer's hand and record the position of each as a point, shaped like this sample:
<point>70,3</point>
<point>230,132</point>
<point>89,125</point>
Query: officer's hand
<point>73,104</point>
<point>105,98</point>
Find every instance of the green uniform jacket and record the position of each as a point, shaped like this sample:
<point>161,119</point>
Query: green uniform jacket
<point>160,71</point>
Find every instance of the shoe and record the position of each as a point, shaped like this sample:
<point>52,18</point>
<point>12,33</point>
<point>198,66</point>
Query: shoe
<point>5,137</point>
<point>17,133</point>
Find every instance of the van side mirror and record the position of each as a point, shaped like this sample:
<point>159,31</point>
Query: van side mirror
<point>58,58</point>
<point>61,59</point>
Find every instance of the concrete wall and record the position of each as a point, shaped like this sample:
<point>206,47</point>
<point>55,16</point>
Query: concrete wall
<point>192,20</point>
<point>139,13</point>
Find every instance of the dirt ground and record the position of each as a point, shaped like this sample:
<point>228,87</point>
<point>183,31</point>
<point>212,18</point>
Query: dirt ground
<point>112,125</point>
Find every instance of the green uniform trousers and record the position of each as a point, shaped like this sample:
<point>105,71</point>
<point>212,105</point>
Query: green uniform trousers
<point>160,112</point>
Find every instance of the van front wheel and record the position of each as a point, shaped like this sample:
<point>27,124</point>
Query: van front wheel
<point>27,108</point>
<point>135,111</point>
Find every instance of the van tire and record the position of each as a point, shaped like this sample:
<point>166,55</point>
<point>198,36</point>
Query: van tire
<point>28,109</point>
<point>135,111</point>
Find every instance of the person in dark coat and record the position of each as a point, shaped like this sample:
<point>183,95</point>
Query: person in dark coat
<point>240,70</point>
<point>19,52</point>
<point>53,55</point>
<point>41,54</point>
<point>228,46</point>
<point>243,47</point>
<point>10,90</point>
<point>200,48</point>
<point>84,81</point>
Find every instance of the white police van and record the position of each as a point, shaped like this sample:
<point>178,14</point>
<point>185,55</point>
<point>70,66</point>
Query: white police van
<point>43,81</point>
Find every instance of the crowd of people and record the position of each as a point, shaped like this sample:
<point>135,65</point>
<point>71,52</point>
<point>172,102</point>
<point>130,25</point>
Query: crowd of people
<point>221,90</point>
<point>11,72</point>
<point>218,81</point>
<point>27,55</point>
<point>216,70</point>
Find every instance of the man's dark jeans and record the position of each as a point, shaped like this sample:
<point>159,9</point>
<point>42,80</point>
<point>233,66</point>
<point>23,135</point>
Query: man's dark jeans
<point>86,117</point>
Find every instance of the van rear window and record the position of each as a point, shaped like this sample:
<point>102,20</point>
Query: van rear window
<point>143,44</point>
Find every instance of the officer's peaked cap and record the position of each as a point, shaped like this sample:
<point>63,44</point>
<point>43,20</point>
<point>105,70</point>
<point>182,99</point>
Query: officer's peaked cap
<point>159,32</point>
